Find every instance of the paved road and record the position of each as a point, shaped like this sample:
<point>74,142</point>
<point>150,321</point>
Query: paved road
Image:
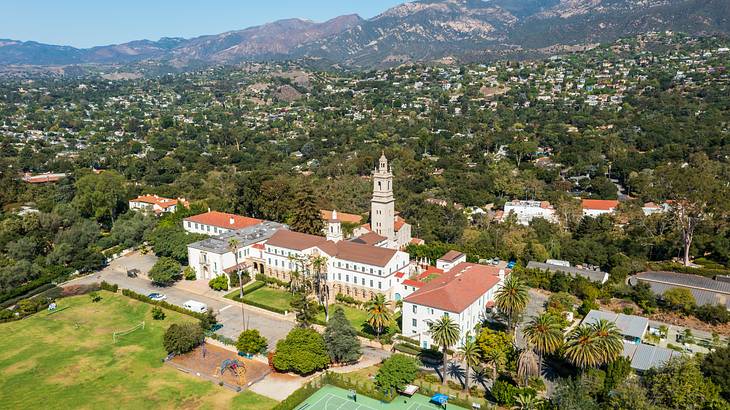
<point>229,314</point>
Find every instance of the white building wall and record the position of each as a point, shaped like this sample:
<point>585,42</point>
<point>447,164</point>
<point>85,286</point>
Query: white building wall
<point>525,214</point>
<point>594,213</point>
<point>195,227</point>
<point>208,265</point>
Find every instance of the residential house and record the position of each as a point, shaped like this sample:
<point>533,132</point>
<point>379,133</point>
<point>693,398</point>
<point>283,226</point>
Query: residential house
<point>156,204</point>
<point>597,207</point>
<point>526,211</point>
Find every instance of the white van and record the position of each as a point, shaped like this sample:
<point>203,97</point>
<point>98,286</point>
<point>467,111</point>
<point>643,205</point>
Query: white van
<point>195,306</point>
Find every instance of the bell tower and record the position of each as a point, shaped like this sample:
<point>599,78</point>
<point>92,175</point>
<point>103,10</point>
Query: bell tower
<point>334,228</point>
<point>382,206</point>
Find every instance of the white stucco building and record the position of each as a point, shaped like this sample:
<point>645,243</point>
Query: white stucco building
<point>597,207</point>
<point>217,223</point>
<point>526,211</point>
<point>464,293</point>
<point>156,204</point>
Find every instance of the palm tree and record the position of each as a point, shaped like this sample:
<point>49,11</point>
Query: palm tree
<point>319,265</point>
<point>526,401</point>
<point>581,348</point>
<point>445,333</point>
<point>495,358</point>
<point>545,335</point>
<point>233,246</point>
<point>469,353</point>
<point>608,340</point>
<point>527,365</point>
<point>378,313</point>
<point>511,299</point>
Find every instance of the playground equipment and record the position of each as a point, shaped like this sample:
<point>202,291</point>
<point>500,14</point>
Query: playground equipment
<point>234,366</point>
<point>117,335</point>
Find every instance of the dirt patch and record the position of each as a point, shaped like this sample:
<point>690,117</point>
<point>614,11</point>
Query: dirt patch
<point>20,367</point>
<point>208,365</point>
<point>691,322</point>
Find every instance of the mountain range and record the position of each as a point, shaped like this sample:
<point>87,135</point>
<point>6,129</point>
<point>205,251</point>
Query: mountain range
<point>425,30</point>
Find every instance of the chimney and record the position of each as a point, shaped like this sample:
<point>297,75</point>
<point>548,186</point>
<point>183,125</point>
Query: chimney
<point>501,275</point>
<point>230,220</point>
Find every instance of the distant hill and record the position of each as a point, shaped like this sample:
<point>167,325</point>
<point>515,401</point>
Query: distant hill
<point>415,31</point>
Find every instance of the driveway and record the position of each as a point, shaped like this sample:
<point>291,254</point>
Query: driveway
<point>229,313</point>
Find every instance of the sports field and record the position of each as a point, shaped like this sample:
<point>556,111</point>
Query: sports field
<point>334,398</point>
<point>67,360</point>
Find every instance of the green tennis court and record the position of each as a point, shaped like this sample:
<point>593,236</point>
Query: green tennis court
<point>334,398</point>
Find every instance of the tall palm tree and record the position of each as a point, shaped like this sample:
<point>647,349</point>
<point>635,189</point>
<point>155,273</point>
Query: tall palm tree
<point>495,358</point>
<point>378,314</point>
<point>545,335</point>
<point>608,340</point>
<point>469,353</point>
<point>233,245</point>
<point>319,270</point>
<point>581,348</point>
<point>511,299</point>
<point>445,333</point>
<point>527,365</point>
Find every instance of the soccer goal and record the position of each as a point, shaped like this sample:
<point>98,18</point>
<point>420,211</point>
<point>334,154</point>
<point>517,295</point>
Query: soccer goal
<point>117,335</point>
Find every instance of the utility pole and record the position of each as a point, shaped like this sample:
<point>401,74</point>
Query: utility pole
<point>240,283</point>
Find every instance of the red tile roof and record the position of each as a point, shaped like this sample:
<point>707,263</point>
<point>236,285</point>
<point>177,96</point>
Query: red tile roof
<point>399,274</point>
<point>414,283</point>
<point>295,240</point>
<point>599,204</point>
<point>341,216</point>
<point>224,220</point>
<point>370,238</point>
<point>155,200</point>
<point>457,289</point>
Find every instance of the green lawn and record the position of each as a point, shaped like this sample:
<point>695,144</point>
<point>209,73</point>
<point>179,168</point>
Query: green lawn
<point>68,360</point>
<point>276,298</point>
<point>357,317</point>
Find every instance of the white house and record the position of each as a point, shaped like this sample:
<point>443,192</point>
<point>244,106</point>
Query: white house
<point>449,260</point>
<point>597,207</point>
<point>526,211</point>
<point>463,293</point>
<point>651,208</point>
<point>216,223</point>
<point>156,204</point>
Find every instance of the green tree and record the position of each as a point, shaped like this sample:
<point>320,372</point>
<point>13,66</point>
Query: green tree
<point>165,271</point>
<point>629,395</point>
<point>182,338</point>
<point>220,282</point>
<point>511,299</point>
<point>303,351</point>
<point>101,196</point>
<point>251,342</point>
<point>544,334</point>
<point>716,367</point>
<point>378,314</point>
<point>304,308</point>
<point>444,332</point>
<point>573,394</point>
<point>305,216</point>
<point>396,372</point>
<point>697,190</point>
<point>471,356</point>
<point>341,339</point>
<point>593,345</point>
<point>679,384</point>
<point>680,299</point>
<point>494,346</point>
<point>609,340</point>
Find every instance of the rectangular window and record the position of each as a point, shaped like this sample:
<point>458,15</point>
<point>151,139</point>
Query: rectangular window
<point>339,276</point>
<point>415,323</point>
<point>415,309</point>
<point>347,278</point>
<point>371,283</point>
<point>362,281</point>
<point>380,284</point>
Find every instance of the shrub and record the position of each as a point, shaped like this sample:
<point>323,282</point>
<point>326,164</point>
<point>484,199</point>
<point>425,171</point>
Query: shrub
<point>396,372</point>
<point>303,351</point>
<point>712,314</point>
<point>504,393</point>
<point>182,338</point>
<point>165,271</point>
<point>157,313</point>
<point>109,287</point>
<point>234,279</point>
<point>143,298</point>
<point>220,282</point>
<point>189,273</point>
<point>251,342</point>
<point>346,299</point>
<point>95,297</point>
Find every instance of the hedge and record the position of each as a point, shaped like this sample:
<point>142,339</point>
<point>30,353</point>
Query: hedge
<point>262,306</point>
<point>109,287</point>
<point>334,379</point>
<point>161,303</point>
<point>23,292</point>
<point>677,267</point>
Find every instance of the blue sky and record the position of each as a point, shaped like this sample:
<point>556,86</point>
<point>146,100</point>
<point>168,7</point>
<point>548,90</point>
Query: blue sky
<point>86,23</point>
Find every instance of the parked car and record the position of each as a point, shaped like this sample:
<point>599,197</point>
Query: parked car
<point>195,306</point>
<point>133,273</point>
<point>157,296</point>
